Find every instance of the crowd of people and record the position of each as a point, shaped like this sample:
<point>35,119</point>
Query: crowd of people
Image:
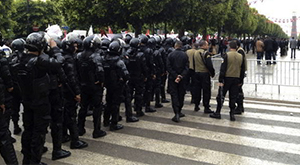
<point>61,82</point>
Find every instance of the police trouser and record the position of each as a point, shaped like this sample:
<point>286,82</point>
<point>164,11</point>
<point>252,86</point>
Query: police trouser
<point>127,97</point>
<point>202,83</point>
<point>191,82</point>
<point>70,115</point>
<point>113,101</point>
<point>268,56</point>
<point>163,87</point>
<point>36,120</point>
<point>136,86</point>
<point>147,92</point>
<point>231,85</point>
<point>8,107</point>
<point>16,102</point>
<point>240,98</point>
<point>55,98</point>
<point>7,150</point>
<point>91,96</point>
<point>156,88</point>
<point>177,92</point>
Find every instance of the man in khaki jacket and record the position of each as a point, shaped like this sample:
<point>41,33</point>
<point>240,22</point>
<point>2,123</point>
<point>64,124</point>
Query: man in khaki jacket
<point>232,73</point>
<point>259,50</point>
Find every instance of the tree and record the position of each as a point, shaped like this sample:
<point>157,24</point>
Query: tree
<point>37,14</point>
<point>6,23</point>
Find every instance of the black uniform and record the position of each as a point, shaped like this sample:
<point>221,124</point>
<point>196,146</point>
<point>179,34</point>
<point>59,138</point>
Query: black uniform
<point>34,84</point>
<point>70,90</point>
<point>91,77</point>
<point>16,94</point>
<point>159,70</point>
<point>151,72</point>
<point>116,75</point>
<point>177,64</point>
<point>6,148</point>
<point>138,72</point>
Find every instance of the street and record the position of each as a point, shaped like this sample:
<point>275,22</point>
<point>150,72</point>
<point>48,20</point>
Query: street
<point>267,133</point>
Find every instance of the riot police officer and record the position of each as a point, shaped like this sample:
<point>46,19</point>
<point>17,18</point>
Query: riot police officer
<point>159,70</point>
<point>71,90</point>
<point>138,70</point>
<point>91,78</point>
<point>18,48</point>
<point>32,71</point>
<point>151,72</point>
<point>6,148</point>
<point>116,75</point>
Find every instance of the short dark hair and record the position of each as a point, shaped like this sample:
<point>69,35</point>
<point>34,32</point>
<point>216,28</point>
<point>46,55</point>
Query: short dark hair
<point>203,43</point>
<point>233,45</point>
<point>178,44</point>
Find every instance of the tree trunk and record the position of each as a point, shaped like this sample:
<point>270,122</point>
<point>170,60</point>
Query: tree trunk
<point>165,30</point>
<point>137,29</point>
<point>219,34</point>
<point>204,33</point>
<point>181,32</point>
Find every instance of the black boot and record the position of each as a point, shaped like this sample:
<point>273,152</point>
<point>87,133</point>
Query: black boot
<point>165,100</point>
<point>78,144</point>
<point>238,110</point>
<point>115,127</point>
<point>215,115</point>
<point>8,152</point>
<point>158,105</point>
<point>98,133</point>
<point>56,133</point>
<point>139,113</point>
<point>208,110</point>
<point>196,108</point>
<point>60,154</point>
<point>232,118</point>
<point>149,109</point>
<point>176,118</point>
<point>132,119</point>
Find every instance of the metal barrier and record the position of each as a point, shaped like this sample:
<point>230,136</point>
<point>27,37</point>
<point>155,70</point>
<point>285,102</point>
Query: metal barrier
<point>283,73</point>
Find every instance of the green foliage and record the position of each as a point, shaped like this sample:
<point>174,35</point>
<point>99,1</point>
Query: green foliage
<point>6,23</point>
<point>34,13</point>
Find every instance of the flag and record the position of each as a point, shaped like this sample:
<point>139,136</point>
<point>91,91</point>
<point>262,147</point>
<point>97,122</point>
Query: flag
<point>110,31</point>
<point>90,32</point>
<point>148,32</point>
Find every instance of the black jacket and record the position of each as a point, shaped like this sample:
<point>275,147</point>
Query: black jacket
<point>177,64</point>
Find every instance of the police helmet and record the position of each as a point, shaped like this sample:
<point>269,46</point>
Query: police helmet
<point>105,43</point>
<point>184,39</point>
<point>128,38</point>
<point>157,39</point>
<point>92,42</point>
<point>134,42</point>
<point>169,41</point>
<point>143,39</point>
<point>151,42</point>
<point>115,47</point>
<point>68,42</point>
<point>18,44</point>
<point>35,42</point>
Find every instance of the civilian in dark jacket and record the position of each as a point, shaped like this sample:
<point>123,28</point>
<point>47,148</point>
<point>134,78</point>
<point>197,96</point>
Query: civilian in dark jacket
<point>177,66</point>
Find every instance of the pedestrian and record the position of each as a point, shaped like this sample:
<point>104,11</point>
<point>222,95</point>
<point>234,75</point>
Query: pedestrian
<point>259,50</point>
<point>231,77</point>
<point>268,47</point>
<point>177,66</point>
<point>204,70</point>
<point>293,46</point>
